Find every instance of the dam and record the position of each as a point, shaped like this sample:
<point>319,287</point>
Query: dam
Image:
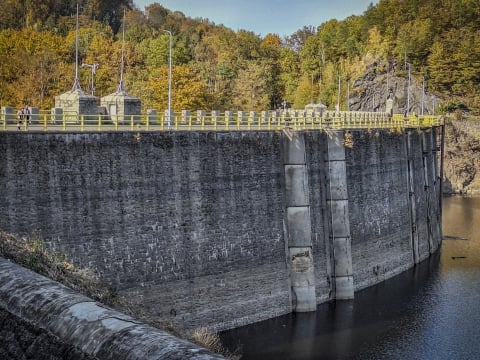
<point>226,227</point>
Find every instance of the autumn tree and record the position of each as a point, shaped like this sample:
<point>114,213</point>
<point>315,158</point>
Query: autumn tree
<point>189,92</point>
<point>251,88</point>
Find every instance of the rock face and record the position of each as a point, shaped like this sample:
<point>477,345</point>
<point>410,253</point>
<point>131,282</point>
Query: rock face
<point>462,162</point>
<point>385,79</point>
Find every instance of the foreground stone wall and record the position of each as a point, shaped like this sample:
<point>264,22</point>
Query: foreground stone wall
<point>42,319</point>
<point>194,228</point>
<point>21,340</point>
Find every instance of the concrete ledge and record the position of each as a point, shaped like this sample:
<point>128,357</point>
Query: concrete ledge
<point>79,321</point>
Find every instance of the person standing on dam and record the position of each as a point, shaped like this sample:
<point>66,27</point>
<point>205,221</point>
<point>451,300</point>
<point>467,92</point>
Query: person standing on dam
<point>19,118</point>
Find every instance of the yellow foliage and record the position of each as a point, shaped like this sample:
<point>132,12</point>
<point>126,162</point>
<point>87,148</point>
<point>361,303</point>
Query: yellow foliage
<point>188,91</point>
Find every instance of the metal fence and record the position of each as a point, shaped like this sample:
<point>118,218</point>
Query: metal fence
<point>216,121</point>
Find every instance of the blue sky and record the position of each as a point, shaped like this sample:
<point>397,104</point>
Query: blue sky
<point>282,17</point>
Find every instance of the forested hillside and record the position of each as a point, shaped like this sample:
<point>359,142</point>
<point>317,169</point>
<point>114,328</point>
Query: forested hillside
<point>218,68</point>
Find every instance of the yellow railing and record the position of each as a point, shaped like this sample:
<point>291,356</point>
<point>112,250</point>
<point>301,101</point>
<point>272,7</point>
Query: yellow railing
<point>229,121</point>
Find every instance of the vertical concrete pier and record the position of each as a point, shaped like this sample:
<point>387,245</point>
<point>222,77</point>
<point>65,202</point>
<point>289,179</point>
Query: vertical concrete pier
<point>428,185</point>
<point>412,197</point>
<point>337,205</point>
<point>298,225</point>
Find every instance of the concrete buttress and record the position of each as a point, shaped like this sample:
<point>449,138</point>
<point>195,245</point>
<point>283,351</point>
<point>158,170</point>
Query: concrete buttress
<point>298,225</point>
<point>338,209</point>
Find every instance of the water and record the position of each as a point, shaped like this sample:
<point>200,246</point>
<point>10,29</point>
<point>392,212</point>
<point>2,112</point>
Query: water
<point>430,312</point>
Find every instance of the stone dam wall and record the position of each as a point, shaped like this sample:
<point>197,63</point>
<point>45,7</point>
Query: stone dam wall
<point>222,229</point>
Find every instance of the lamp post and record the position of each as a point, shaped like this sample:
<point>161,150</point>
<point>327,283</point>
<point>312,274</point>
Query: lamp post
<point>423,94</point>
<point>373,100</point>
<point>339,90</point>
<point>408,88</point>
<point>169,76</point>
<point>94,69</point>
<point>348,93</point>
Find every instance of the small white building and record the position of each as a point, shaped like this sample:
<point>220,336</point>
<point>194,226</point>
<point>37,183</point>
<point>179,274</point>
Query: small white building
<point>76,103</point>
<point>121,106</point>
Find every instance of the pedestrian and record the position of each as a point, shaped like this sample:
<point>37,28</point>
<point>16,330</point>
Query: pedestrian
<point>19,118</point>
<point>26,114</point>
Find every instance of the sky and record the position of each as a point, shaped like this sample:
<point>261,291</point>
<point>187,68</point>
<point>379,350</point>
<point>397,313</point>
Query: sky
<point>281,17</point>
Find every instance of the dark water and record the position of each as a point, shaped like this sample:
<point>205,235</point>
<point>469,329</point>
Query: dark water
<point>430,312</point>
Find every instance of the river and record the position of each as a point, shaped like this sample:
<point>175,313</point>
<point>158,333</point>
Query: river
<point>429,312</point>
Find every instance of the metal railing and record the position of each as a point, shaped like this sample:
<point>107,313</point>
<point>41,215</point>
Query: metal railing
<point>215,121</point>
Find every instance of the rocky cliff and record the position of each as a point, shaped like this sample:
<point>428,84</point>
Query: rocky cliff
<point>384,79</point>
<point>462,161</point>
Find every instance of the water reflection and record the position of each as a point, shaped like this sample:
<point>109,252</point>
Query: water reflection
<point>430,312</point>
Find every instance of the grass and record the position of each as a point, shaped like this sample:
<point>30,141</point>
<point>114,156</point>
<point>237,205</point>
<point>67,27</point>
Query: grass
<point>31,252</point>
<point>211,340</point>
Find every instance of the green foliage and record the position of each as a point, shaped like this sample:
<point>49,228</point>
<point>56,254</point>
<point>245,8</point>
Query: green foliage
<point>251,89</point>
<point>440,39</point>
<point>452,106</point>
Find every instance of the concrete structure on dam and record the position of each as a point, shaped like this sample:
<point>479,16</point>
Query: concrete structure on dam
<point>226,228</point>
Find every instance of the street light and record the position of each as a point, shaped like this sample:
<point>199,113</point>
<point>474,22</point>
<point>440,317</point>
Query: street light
<point>339,90</point>
<point>373,100</point>
<point>94,69</point>
<point>423,94</point>
<point>408,88</point>
<point>169,76</point>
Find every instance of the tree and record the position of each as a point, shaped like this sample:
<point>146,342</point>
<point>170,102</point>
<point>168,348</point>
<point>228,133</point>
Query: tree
<point>251,88</point>
<point>296,41</point>
<point>31,65</point>
<point>188,91</point>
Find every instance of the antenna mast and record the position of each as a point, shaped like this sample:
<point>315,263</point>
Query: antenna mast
<point>76,84</point>
<point>121,87</point>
